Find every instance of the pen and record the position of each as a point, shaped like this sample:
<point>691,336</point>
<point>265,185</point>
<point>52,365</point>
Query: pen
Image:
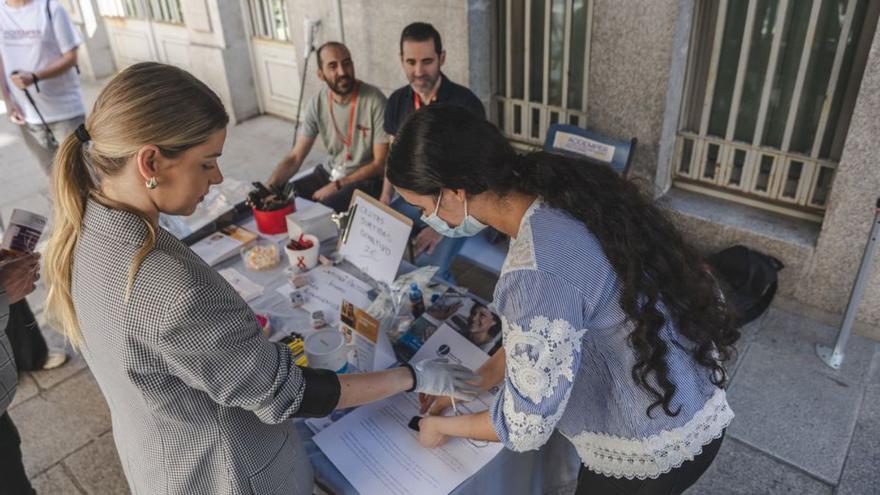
<point>349,222</point>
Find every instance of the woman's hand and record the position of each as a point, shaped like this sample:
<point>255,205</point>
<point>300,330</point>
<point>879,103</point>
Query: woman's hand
<point>438,376</point>
<point>429,435</point>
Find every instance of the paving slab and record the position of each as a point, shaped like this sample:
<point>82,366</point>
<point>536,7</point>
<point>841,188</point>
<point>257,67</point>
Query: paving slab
<point>796,336</point>
<point>96,467</point>
<point>27,388</point>
<point>60,421</point>
<point>47,379</point>
<point>55,481</point>
<point>742,470</point>
<point>861,475</point>
<point>747,335</point>
<point>793,412</point>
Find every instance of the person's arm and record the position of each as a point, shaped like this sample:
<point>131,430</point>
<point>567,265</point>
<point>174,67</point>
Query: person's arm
<point>361,388</point>
<point>542,339</point>
<point>368,171</point>
<point>491,375</point>
<point>434,431</point>
<point>292,161</point>
<point>12,109</point>
<point>372,169</point>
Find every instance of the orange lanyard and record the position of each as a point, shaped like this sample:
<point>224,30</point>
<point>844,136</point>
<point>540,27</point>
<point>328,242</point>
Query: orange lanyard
<point>418,101</point>
<point>346,140</point>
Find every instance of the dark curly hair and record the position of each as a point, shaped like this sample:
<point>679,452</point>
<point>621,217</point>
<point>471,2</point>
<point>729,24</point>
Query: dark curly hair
<point>661,276</point>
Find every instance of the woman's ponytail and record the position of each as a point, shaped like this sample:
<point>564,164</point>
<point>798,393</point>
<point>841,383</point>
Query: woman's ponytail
<point>71,185</point>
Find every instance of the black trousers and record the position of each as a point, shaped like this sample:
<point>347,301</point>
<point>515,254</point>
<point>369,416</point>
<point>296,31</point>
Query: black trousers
<point>339,201</point>
<point>13,479</point>
<point>672,483</point>
<point>28,345</point>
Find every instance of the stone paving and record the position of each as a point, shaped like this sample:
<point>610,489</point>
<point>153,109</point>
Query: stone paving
<point>801,428</point>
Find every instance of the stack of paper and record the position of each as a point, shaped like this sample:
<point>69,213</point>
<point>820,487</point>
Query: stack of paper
<point>222,245</point>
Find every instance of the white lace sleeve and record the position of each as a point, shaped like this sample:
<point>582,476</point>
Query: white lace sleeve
<point>542,319</point>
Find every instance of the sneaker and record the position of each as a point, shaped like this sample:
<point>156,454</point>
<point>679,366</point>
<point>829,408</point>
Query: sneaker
<point>55,359</point>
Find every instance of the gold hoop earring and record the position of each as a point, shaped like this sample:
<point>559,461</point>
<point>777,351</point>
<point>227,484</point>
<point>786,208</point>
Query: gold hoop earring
<point>151,183</point>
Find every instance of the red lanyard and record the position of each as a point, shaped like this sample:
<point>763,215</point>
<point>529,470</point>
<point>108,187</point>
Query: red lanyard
<point>346,140</point>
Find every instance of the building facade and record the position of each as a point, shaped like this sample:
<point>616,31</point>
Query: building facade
<point>756,119</point>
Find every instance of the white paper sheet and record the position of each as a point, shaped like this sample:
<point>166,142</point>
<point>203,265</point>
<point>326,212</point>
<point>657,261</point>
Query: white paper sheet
<point>246,288</point>
<point>328,286</point>
<point>377,452</point>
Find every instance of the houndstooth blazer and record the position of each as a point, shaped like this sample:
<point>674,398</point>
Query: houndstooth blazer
<point>199,399</point>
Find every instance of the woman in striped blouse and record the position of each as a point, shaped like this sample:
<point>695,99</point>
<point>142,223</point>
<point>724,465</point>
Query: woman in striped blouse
<point>613,332</point>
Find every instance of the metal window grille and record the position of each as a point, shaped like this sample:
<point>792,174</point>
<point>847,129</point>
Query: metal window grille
<point>770,91</point>
<point>269,19</point>
<point>119,8</point>
<point>166,11</point>
<point>542,64</point>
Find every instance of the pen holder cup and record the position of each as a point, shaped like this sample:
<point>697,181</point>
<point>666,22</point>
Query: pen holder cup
<point>275,221</point>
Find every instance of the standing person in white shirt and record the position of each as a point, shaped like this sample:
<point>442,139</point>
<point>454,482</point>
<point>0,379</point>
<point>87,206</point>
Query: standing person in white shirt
<point>40,84</point>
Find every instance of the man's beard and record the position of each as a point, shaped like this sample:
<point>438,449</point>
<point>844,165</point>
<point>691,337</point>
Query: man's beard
<point>424,83</point>
<point>337,86</point>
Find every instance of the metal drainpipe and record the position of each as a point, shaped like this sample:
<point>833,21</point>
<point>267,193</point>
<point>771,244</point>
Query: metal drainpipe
<point>338,5</point>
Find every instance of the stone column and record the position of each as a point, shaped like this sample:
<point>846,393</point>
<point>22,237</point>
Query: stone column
<point>219,53</point>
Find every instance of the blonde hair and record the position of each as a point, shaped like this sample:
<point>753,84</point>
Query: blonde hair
<point>147,103</point>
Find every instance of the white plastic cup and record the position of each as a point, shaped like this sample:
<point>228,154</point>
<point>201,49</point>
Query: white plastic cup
<point>304,259</point>
<point>326,349</point>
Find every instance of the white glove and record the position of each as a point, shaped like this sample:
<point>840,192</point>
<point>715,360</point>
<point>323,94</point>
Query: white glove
<point>438,377</point>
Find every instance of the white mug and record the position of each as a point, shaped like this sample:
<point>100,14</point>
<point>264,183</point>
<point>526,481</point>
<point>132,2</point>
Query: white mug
<point>326,349</point>
<point>304,259</point>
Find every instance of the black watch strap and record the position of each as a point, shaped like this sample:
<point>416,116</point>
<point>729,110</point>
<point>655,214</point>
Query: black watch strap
<point>412,371</point>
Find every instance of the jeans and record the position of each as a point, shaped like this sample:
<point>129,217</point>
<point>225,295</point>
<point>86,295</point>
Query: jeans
<point>444,252</point>
<point>42,144</point>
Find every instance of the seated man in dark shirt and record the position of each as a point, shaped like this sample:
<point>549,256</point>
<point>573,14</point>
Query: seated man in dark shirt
<point>422,57</point>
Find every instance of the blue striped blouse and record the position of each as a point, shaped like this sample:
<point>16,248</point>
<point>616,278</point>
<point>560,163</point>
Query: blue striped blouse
<point>569,364</point>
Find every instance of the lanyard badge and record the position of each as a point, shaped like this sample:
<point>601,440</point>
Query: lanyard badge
<point>347,139</point>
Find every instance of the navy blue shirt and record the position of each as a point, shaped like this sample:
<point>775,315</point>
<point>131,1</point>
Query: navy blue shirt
<point>402,102</point>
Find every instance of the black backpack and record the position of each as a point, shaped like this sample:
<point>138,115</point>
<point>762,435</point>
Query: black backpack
<point>747,279</point>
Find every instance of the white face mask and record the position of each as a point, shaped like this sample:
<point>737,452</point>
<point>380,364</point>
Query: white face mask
<point>469,227</point>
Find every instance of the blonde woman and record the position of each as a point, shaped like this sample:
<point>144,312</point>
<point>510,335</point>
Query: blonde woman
<point>199,400</point>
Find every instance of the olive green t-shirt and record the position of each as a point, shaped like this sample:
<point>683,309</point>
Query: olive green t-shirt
<point>367,131</point>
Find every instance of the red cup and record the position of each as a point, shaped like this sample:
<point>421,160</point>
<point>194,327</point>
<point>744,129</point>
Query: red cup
<point>273,222</point>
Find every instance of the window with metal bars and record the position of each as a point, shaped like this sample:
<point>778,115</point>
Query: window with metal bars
<point>165,11</point>
<point>120,8</point>
<point>542,61</point>
<point>269,19</point>
<point>770,92</point>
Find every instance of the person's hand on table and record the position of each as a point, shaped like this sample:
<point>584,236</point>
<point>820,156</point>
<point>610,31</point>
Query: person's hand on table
<point>325,192</point>
<point>429,436</point>
<point>427,240</point>
<point>438,376</point>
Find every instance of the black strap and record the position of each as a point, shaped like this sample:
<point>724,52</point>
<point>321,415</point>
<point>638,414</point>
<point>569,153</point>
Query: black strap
<point>40,114</point>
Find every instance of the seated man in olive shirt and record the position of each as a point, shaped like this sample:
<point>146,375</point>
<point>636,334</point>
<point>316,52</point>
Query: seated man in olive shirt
<point>349,117</point>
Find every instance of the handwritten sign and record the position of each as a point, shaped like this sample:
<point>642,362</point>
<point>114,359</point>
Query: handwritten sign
<point>376,238</point>
<point>584,146</point>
